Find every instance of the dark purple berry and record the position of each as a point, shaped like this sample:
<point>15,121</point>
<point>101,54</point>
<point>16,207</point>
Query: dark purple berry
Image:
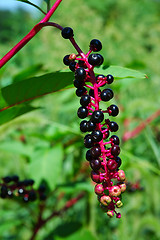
<point>91,126</point>
<point>88,155</point>
<point>114,110</point>
<point>72,66</point>
<point>85,100</point>
<point>91,92</point>
<point>82,112</point>
<point>81,63</point>
<point>4,191</point>
<point>84,126</point>
<point>95,176</point>
<point>106,94</point>
<point>110,78</point>
<point>97,135</point>
<point>118,161</point>
<point>115,139</point>
<point>97,116</point>
<point>78,84</point>
<point>95,45</point>
<point>113,126</point>
<point>115,150</point>
<point>66,60</point>
<point>67,32</point>
<point>28,182</point>
<point>112,165</point>
<point>7,179</point>
<point>95,59</point>
<point>80,74</point>
<point>15,178</point>
<point>95,164</point>
<point>10,193</point>
<point>88,142</point>
<point>80,91</point>
<point>95,151</point>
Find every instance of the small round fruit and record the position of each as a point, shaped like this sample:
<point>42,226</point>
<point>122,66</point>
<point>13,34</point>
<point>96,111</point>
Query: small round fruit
<point>95,45</point>
<point>114,139</point>
<point>113,126</point>
<point>95,151</point>
<point>121,175</point>
<point>95,176</point>
<point>115,150</point>
<point>80,91</point>
<point>91,92</point>
<point>82,112</point>
<point>118,161</point>
<point>110,213</point>
<point>88,155</point>
<point>114,191</point>
<point>95,59</point>
<point>72,66</point>
<point>122,187</point>
<point>97,135</point>
<point>84,126</point>
<point>95,164</point>
<point>97,116</point>
<point>67,32</point>
<point>66,60</point>
<point>99,189</point>
<point>78,84</point>
<point>7,179</point>
<point>88,142</point>
<point>113,110</point>
<point>80,74</point>
<point>85,100</point>
<point>112,165</point>
<point>91,126</point>
<point>119,204</point>
<point>110,78</point>
<point>107,94</point>
<point>105,200</point>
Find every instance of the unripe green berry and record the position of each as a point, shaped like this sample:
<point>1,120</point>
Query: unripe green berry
<point>119,204</point>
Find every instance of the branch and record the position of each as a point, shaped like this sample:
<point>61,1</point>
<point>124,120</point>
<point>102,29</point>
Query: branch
<point>44,22</point>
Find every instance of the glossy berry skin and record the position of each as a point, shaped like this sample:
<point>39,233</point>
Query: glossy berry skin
<point>80,74</point>
<point>118,161</point>
<point>112,165</point>
<point>80,91</point>
<point>97,116</point>
<point>88,142</point>
<point>110,78</point>
<point>95,59</point>
<point>113,126</point>
<point>95,151</point>
<point>85,100</point>
<point>115,139</point>
<point>107,94</point>
<point>72,66</point>
<point>67,32</point>
<point>100,77</point>
<point>91,126</point>
<point>78,84</point>
<point>99,189</point>
<point>97,136</point>
<point>84,126</point>
<point>89,156</point>
<point>66,60</point>
<point>114,110</point>
<point>115,150</point>
<point>7,179</point>
<point>82,112</point>
<point>95,45</point>
<point>95,176</point>
<point>95,164</point>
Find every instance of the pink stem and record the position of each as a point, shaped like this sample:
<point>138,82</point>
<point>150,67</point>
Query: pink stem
<point>31,34</point>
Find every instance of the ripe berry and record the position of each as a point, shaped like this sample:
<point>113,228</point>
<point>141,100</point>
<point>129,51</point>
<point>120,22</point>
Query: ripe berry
<point>95,176</point>
<point>112,165</point>
<point>97,136</point>
<point>78,84</point>
<point>95,45</point>
<point>82,112</point>
<point>110,78</point>
<point>115,139</point>
<point>113,110</point>
<point>80,74</point>
<point>91,126</point>
<point>106,94</point>
<point>67,32</point>
<point>15,178</point>
<point>7,179</point>
<point>95,164</point>
<point>88,142</point>
<point>95,151</point>
<point>118,161</point>
<point>88,155</point>
<point>28,182</point>
<point>91,92</point>
<point>72,66</point>
<point>10,193</point>
<point>115,150</point>
<point>113,126</point>
<point>80,91</point>
<point>97,116</point>
<point>84,126</point>
<point>85,100</point>
<point>95,59</point>
<point>66,60</point>
<point>99,189</point>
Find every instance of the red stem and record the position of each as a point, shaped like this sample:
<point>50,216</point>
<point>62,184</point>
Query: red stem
<point>31,34</point>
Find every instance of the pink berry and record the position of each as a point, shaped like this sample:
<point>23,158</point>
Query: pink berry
<point>121,175</point>
<point>99,189</point>
<point>105,200</point>
<point>95,176</point>
<point>110,213</point>
<point>114,191</point>
<point>112,165</point>
<point>122,187</point>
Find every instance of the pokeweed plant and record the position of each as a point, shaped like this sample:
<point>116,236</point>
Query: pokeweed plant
<point>88,79</point>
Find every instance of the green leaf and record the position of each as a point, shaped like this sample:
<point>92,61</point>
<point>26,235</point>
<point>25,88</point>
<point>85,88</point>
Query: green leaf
<point>14,112</point>
<point>46,164</point>
<point>17,147</point>
<point>32,4</point>
<point>34,87</point>
<point>120,72</point>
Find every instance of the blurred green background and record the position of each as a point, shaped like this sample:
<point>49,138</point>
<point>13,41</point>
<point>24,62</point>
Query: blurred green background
<point>53,150</point>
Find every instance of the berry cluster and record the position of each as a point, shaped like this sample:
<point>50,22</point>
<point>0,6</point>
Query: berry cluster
<point>12,187</point>
<point>104,160</point>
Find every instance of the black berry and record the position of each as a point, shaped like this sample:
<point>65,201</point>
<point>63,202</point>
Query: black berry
<point>115,139</point>
<point>95,45</point>
<point>91,126</point>
<point>115,150</point>
<point>82,112</point>
<point>95,59</point>
<point>80,74</point>
<point>97,136</point>
<point>118,161</point>
<point>95,164</point>
<point>80,91</point>
<point>106,94</point>
<point>72,66</point>
<point>95,151</point>
<point>88,155</point>
<point>110,78</point>
<point>113,126</point>
<point>84,126</point>
<point>67,32</point>
<point>66,60</point>
<point>78,84</point>
<point>114,110</point>
<point>7,179</point>
<point>85,100</point>
<point>97,116</point>
<point>88,142</point>
<point>91,92</point>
